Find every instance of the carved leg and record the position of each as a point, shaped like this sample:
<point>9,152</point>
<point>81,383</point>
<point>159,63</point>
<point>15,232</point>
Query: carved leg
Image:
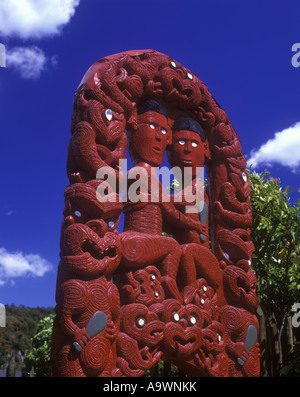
<point>198,262</point>
<point>141,250</point>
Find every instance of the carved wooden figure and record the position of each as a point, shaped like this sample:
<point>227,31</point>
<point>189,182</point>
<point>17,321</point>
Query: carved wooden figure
<point>172,284</point>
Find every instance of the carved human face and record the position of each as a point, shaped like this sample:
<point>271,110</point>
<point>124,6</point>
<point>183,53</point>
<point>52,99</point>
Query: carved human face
<point>148,143</point>
<point>182,335</point>
<point>141,324</point>
<point>187,150</point>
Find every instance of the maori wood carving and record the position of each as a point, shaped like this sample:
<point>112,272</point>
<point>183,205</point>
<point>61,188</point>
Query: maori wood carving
<point>173,285</point>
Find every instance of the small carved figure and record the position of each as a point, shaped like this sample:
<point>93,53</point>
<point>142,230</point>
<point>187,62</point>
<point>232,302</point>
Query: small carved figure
<point>189,152</point>
<point>138,345</point>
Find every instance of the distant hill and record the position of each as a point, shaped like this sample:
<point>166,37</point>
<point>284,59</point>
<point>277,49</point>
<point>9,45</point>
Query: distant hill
<point>15,338</point>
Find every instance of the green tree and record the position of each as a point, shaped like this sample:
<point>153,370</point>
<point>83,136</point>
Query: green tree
<point>292,366</point>
<point>39,356</point>
<point>276,262</point>
<point>275,233</point>
<point>15,338</point>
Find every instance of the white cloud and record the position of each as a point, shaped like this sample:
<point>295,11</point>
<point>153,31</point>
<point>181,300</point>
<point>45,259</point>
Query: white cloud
<point>35,18</point>
<point>17,264</point>
<point>283,149</point>
<point>29,62</point>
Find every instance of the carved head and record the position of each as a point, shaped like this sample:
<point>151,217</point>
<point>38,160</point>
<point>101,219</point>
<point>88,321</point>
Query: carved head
<point>189,147</point>
<point>148,143</point>
<point>182,335</point>
<point>108,124</point>
<point>142,324</point>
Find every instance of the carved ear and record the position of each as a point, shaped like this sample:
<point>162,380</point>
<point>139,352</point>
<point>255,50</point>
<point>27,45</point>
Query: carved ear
<point>169,132</point>
<point>207,153</point>
<point>132,122</point>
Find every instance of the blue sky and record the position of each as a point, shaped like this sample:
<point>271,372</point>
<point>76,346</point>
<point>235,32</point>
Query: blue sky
<point>242,50</point>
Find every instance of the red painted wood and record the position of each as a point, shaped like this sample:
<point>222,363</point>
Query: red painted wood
<point>180,298</point>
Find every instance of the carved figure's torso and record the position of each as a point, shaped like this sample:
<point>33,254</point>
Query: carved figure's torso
<point>144,218</point>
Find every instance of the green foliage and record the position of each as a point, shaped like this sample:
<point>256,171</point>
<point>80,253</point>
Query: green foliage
<point>15,338</point>
<point>292,367</point>
<point>39,356</point>
<point>162,369</point>
<point>275,233</point>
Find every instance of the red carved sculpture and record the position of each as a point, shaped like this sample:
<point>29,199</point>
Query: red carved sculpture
<point>175,283</point>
